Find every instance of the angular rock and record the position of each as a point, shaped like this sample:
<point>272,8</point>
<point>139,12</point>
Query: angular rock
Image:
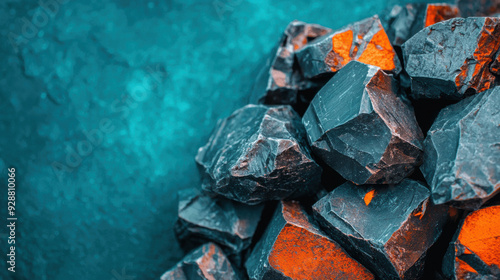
<point>475,250</point>
<point>202,218</point>
<point>292,247</point>
<point>462,152</point>
<point>208,262</point>
<point>281,79</point>
<point>359,126</point>
<point>257,154</point>
<point>388,228</point>
<point>451,59</point>
<point>406,21</point>
<point>478,8</point>
<point>364,41</point>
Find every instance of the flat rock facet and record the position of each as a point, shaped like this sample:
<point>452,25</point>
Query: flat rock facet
<point>281,79</point>
<point>405,21</point>
<point>294,248</point>
<point>364,41</point>
<point>475,250</point>
<point>452,59</point>
<point>462,152</point>
<point>208,262</point>
<point>202,218</point>
<point>359,126</point>
<point>478,8</point>
<point>257,154</point>
<point>388,228</point>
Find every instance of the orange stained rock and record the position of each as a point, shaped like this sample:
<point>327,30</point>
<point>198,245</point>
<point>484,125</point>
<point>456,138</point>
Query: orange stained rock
<point>464,269</point>
<point>439,12</point>
<point>301,254</point>
<point>369,196</point>
<point>379,52</point>
<point>341,50</point>
<point>484,55</point>
<point>480,234</point>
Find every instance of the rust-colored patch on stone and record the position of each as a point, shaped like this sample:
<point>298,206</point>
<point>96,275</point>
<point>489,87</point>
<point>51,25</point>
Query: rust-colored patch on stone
<point>364,41</point>
<point>300,254</point>
<point>297,249</point>
<point>480,234</point>
<point>368,197</point>
<point>379,52</point>
<point>439,12</point>
<point>341,50</point>
<point>477,75</point>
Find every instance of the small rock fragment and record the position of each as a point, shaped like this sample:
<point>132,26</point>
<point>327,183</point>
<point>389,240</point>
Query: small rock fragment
<point>406,21</point>
<point>258,154</point>
<point>281,79</point>
<point>462,152</point>
<point>478,8</point>
<point>359,126</point>
<point>208,262</point>
<point>388,228</point>
<point>452,59</point>
<point>294,248</point>
<point>364,41</point>
<point>475,250</point>
<point>203,218</point>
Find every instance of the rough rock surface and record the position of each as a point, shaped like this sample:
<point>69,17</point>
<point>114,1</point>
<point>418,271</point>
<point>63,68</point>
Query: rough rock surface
<point>478,8</point>
<point>203,218</point>
<point>388,228</point>
<point>405,21</point>
<point>452,59</point>
<point>208,262</point>
<point>257,154</point>
<point>294,248</point>
<point>281,78</point>
<point>359,126</point>
<point>462,152</point>
<point>364,41</point>
<point>475,250</point>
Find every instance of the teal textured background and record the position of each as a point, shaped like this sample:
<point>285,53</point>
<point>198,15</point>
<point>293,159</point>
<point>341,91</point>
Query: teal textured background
<point>103,107</point>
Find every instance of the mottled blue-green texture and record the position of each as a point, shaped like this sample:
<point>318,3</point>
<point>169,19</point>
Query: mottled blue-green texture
<point>103,107</point>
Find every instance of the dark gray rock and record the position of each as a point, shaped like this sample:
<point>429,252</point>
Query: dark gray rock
<point>462,152</point>
<point>475,249</point>
<point>257,154</point>
<point>452,59</point>
<point>478,8</point>
<point>203,218</point>
<point>388,228</point>
<point>281,79</point>
<point>405,21</point>
<point>208,262</point>
<point>293,247</point>
<point>364,41</point>
<point>359,126</point>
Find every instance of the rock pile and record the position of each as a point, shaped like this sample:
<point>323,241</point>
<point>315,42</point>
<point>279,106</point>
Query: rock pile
<point>412,204</point>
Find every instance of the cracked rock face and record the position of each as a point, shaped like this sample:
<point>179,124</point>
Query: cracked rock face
<point>202,218</point>
<point>452,59</point>
<point>388,228</point>
<point>258,154</point>
<point>478,8</point>
<point>474,252</point>
<point>406,21</point>
<point>462,152</point>
<point>364,41</point>
<point>282,79</point>
<point>208,262</point>
<point>359,126</point>
<point>292,247</point>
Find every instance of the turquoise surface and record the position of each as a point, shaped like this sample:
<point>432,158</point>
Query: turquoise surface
<point>103,107</point>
